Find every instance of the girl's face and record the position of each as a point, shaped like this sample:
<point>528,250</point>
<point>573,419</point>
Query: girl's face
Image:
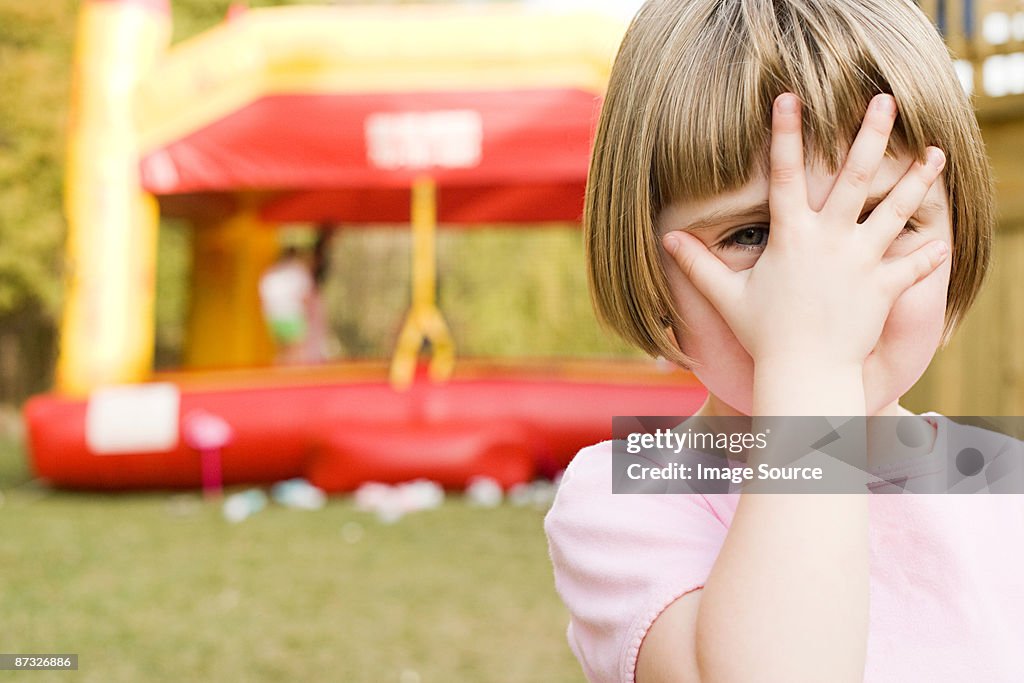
<point>912,332</point>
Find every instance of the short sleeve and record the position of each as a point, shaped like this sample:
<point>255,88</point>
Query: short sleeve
<point>620,559</point>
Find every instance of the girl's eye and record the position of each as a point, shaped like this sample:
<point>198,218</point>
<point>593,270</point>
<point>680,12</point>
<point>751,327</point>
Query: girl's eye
<point>750,238</point>
<point>755,237</point>
<point>909,227</point>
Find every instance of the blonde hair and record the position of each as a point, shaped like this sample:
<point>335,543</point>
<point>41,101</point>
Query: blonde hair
<point>687,116</point>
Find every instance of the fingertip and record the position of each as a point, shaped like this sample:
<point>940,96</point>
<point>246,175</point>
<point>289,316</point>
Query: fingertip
<point>935,158</point>
<point>786,103</point>
<point>671,242</point>
<point>923,262</point>
<point>884,102</point>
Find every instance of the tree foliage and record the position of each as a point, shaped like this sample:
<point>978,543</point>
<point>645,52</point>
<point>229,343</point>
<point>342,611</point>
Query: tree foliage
<point>35,57</point>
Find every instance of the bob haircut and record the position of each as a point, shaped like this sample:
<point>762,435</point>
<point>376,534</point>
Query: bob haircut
<point>687,116</point>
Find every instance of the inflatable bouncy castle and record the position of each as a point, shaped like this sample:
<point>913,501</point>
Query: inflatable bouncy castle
<point>430,116</point>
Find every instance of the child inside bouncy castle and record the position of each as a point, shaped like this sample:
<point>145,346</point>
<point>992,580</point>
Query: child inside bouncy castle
<point>286,289</point>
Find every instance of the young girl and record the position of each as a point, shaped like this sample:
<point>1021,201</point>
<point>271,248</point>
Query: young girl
<point>878,243</point>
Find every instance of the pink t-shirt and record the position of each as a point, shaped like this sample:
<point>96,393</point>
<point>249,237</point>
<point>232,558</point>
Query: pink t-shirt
<point>947,570</point>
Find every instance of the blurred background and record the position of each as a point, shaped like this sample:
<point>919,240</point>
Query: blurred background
<point>264,583</point>
<point>447,585</point>
<point>981,372</point>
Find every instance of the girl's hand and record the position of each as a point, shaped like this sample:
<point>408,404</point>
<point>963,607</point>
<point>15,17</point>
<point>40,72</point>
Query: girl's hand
<point>820,290</point>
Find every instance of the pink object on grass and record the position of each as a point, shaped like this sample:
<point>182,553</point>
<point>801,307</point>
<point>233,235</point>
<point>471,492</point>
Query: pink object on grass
<point>208,434</point>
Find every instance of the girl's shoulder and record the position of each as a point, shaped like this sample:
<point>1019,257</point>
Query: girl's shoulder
<point>977,455</point>
<point>619,559</point>
<point>587,483</point>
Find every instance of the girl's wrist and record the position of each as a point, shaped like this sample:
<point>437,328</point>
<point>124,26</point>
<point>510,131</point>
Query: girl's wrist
<point>801,362</point>
<point>808,386</point>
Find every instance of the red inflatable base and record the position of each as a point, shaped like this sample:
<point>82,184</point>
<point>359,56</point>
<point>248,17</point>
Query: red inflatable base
<point>449,453</point>
<point>341,427</point>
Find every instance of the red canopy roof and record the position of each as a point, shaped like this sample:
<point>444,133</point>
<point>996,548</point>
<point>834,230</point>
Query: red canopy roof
<point>497,156</point>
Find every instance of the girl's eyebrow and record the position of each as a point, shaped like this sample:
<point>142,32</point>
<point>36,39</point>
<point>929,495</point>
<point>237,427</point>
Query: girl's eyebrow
<point>715,218</point>
<point>719,217</point>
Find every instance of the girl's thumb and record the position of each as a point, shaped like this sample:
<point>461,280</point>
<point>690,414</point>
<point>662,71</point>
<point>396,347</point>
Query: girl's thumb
<point>708,274</point>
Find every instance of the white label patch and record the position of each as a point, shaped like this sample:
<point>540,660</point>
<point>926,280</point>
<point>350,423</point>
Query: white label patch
<point>420,140</point>
<point>138,418</point>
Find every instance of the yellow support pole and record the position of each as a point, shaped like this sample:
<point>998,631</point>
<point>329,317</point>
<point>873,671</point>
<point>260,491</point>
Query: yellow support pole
<point>225,326</point>
<point>107,326</point>
<point>424,321</point>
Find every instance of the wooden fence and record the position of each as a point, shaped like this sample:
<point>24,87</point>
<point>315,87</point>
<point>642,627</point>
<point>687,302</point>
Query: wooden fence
<point>981,372</point>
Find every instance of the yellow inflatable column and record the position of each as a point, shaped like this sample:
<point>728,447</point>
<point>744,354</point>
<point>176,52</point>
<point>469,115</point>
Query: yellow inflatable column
<point>107,325</point>
<point>424,322</point>
<point>225,326</point>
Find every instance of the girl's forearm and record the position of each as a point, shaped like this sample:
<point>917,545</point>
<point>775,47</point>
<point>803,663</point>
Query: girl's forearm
<point>787,599</point>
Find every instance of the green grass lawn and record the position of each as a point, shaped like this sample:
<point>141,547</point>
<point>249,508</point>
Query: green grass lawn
<point>159,587</point>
